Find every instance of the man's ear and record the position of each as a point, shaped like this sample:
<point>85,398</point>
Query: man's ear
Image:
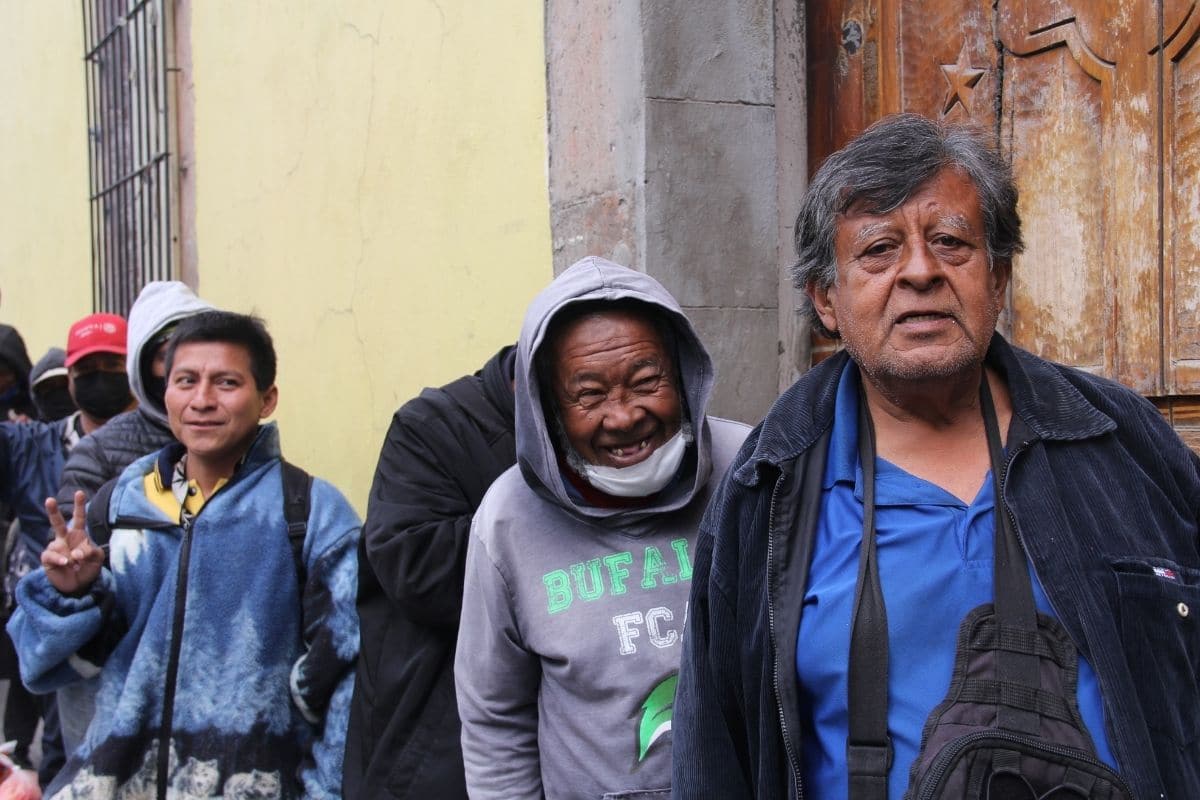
<point>823,303</point>
<point>1001,274</point>
<point>270,398</point>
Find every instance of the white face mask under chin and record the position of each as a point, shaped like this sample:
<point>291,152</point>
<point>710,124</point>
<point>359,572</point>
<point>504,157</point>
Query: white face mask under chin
<point>643,478</point>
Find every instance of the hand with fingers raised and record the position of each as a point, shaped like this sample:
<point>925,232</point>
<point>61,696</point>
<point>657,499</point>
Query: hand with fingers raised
<point>72,560</point>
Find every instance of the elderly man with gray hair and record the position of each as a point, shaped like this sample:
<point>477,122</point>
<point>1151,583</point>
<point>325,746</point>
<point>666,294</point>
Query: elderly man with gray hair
<point>941,566</point>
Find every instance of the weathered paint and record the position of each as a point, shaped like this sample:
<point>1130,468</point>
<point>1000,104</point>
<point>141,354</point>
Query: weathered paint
<point>371,180</point>
<point>45,259</point>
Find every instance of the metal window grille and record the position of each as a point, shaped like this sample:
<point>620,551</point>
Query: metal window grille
<point>130,101</point>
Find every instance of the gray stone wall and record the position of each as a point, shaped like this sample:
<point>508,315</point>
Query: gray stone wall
<point>665,156</point>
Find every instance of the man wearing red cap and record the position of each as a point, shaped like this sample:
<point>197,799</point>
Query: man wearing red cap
<point>96,369</point>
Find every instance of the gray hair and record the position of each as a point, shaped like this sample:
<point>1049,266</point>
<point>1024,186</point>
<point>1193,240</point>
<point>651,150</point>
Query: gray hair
<point>881,168</point>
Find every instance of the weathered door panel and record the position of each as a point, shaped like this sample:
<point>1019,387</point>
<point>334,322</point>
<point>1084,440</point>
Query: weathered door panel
<point>1061,301</point>
<point>1097,103</point>
<point>1112,46</point>
<point>1181,126</point>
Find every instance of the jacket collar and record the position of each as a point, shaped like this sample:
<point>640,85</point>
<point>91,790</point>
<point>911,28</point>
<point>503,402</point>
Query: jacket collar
<point>1042,396</point>
<point>128,498</point>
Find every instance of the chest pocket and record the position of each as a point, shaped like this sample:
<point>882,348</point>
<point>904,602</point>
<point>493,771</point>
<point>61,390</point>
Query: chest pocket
<point>1160,629</point>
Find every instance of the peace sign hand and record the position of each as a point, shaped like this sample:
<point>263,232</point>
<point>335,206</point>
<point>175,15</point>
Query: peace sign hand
<point>72,560</point>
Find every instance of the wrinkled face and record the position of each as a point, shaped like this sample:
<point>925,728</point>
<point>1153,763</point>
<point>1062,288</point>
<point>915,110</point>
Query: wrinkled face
<point>616,389</point>
<point>915,298</point>
<point>213,405</point>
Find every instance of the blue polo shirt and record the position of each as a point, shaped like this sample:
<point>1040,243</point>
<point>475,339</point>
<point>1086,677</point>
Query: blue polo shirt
<point>935,565</point>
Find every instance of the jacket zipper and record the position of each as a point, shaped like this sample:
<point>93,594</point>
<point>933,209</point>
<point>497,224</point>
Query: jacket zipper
<point>946,758</point>
<point>168,710</point>
<point>787,740</point>
<point>1016,530</point>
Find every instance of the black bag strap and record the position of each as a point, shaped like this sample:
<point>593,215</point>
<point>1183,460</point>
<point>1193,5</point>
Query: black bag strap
<point>1015,608</point>
<point>97,514</point>
<point>868,747</point>
<point>297,493</point>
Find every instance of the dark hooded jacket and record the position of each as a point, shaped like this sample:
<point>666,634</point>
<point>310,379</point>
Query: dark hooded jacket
<point>1106,501</point>
<point>14,355</point>
<point>443,450</point>
<point>100,457</point>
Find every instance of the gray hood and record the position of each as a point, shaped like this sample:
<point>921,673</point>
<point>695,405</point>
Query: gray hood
<point>596,279</point>
<point>159,304</point>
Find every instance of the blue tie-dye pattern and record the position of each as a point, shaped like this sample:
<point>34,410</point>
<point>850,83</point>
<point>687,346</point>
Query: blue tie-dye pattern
<point>242,624</point>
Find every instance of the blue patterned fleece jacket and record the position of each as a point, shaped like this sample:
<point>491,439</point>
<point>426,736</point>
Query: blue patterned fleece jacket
<point>260,697</point>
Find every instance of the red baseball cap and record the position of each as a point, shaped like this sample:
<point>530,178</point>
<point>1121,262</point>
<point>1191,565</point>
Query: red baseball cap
<point>96,333</point>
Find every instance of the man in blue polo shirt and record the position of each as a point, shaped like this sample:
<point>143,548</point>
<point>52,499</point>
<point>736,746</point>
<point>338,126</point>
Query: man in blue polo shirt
<point>932,476</point>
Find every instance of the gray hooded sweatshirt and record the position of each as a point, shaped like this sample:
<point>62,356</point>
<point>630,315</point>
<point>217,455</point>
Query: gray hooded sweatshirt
<point>126,437</point>
<point>573,614</point>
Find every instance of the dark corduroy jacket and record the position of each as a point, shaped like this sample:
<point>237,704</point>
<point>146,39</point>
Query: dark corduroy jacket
<point>1103,492</point>
<point>442,452</point>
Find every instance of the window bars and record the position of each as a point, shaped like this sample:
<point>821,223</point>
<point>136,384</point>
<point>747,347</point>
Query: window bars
<point>130,107</point>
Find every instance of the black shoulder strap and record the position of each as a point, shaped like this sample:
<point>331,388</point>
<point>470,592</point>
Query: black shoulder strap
<point>297,489</point>
<point>97,514</point>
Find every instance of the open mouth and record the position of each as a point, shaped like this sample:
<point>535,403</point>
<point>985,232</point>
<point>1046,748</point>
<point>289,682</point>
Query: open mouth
<point>917,317</point>
<point>628,453</point>
<point>629,449</point>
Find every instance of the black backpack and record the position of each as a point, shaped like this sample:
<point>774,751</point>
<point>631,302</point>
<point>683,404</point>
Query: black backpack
<point>1009,727</point>
<point>297,489</point>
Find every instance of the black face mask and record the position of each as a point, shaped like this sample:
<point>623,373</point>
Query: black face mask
<point>102,395</point>
<point>53,404</point>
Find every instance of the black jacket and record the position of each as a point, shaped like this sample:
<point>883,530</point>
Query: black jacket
<point>102,455</point>
<point>442,452</point>
<point>1102,492</point>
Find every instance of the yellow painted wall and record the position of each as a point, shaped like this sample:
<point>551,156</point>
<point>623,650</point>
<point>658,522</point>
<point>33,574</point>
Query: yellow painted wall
<point>371,179</point>
<point>45,256</point>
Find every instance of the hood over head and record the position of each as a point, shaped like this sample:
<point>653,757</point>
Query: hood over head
<point>160,304</point>
<point>13,352</point>
<point>594,279</point>
<point>14,355</point>
<point>51,397</point>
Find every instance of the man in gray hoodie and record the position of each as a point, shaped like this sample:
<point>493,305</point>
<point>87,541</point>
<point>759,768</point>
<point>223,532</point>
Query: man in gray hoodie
<point>579,562</point>
<point>101,456</point>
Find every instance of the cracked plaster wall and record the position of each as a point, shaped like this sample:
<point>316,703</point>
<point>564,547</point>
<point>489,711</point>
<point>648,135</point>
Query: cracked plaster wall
<point>371,180</point>
<point>45,256</point>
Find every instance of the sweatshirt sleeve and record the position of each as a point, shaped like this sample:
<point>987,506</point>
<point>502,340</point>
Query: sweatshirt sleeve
<point>60,639</point>
<point>497,680</point>
<point>323,676</point>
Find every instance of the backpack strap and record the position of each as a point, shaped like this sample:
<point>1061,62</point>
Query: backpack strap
<point>297,491</point>
<point>97,514</point>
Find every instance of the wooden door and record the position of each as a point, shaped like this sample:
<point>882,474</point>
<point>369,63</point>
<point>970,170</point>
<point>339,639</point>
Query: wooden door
<point>1097,104</point>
